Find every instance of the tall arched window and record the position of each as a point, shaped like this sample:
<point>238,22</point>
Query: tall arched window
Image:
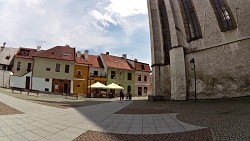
<point>165,31</point>
<point>224,15</point>
<point>191,22</point>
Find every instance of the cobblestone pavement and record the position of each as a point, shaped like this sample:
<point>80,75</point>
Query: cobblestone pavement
<point>40,122</point>
<point>7,110</point>
<point>196,135</point>
<point>227,119</point>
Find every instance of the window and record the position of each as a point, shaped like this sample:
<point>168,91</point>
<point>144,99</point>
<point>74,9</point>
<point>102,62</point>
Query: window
<point>29,67</point>
<point>47,69</point>
<point>57,67</point>
<point>142,67</point>
<point>122,75</point>
<point>66,68</point>
<point>191,23</point>
<point>46,79</point>
<point>139,77</point>
<point>165,31</point>
<point>78,86</point>
<point>18,66</point>
<point>145,90</point>
<point>79,72</point>
<point>96,73</point>
<point>46,89</point>
<point>112,74</point>
<point>145,78</point>
<point>129,76</point>
<point>223,14</point>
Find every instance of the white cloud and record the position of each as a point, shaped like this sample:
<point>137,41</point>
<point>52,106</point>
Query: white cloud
<point>86,24</point>
<point>127,7</point>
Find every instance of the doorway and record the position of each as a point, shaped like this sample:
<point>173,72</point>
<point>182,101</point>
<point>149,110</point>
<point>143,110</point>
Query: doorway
<point>139,91</point>
<point>27,83</point>
<point>65,88</point>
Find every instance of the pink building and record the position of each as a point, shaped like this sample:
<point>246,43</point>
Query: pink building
<point>143,85</point>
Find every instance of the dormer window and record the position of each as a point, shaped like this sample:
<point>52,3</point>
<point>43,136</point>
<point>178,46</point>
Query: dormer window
<point>66,54</point>
<point>142,67</point>
<point>7,57</point>
<point>24,52</point>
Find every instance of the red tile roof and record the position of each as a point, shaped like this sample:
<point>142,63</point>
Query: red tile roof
<point>27,53</point>
<point>58,52</point>
<point>81,60</point>
<point>139,67</point>
<point>95,60</point>
<point>116,62</point>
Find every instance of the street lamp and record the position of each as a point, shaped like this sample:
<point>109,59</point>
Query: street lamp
<point>192,61</point>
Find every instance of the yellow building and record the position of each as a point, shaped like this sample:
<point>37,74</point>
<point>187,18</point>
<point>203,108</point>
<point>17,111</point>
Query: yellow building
<point>81,74</point>
<point>97,73</point>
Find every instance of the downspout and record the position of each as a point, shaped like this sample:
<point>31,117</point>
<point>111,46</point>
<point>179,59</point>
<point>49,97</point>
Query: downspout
<point>32,73</point>
<point>88,81</point>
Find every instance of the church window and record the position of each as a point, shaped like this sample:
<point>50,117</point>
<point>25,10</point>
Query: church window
<point>191,22</point>
<point>223,14</point>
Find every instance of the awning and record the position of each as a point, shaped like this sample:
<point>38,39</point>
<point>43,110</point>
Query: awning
<point>98,85</point>
<point>114,86</point>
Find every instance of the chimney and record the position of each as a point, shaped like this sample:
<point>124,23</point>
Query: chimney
<point>2,47</point>
<point>124,56</point>
<point>86,54</point>
<point>78,54</point>
<point>136,60</point>
<point>38,48</point>
<point>107,53</point>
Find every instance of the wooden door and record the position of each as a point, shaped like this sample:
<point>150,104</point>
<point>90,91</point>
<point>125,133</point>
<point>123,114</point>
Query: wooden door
<point>27,83</point>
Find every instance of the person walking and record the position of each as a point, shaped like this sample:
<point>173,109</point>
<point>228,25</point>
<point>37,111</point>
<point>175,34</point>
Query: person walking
<point>129,96</point>
<point>121,95</point>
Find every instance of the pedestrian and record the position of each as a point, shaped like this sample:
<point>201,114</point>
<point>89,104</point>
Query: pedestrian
<point>129,96</point>
<point>110,94</point>
<point>121,95</point>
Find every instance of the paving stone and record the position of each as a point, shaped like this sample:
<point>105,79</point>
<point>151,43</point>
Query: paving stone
<point>68,134</point>
<point>30,135</point>
<point>18,128</point>
<point>5,139</point>
<point>41,132</point>
<point>17,137</point>
<point>50,129</point>
<point>56,137</point>
<point>7,130</point>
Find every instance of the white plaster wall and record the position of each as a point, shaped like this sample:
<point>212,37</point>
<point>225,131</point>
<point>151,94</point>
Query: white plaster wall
<point>5,78</point>
<point>19,82</point>
<point>100,71</point>
<point>40,84</point>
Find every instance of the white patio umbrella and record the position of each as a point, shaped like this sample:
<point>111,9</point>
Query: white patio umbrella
<point>114,86</point>
<point>98,85</point>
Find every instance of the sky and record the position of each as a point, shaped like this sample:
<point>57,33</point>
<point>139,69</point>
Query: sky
<point>100,26</point>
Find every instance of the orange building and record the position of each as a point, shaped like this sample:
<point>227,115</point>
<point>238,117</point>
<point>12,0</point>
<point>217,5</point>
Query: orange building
<point>81,74</point>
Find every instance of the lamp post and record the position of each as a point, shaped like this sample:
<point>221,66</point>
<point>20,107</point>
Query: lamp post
<point>192,61</point>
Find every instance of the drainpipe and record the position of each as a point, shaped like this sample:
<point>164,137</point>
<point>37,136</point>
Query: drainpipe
<point>88,81</point>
